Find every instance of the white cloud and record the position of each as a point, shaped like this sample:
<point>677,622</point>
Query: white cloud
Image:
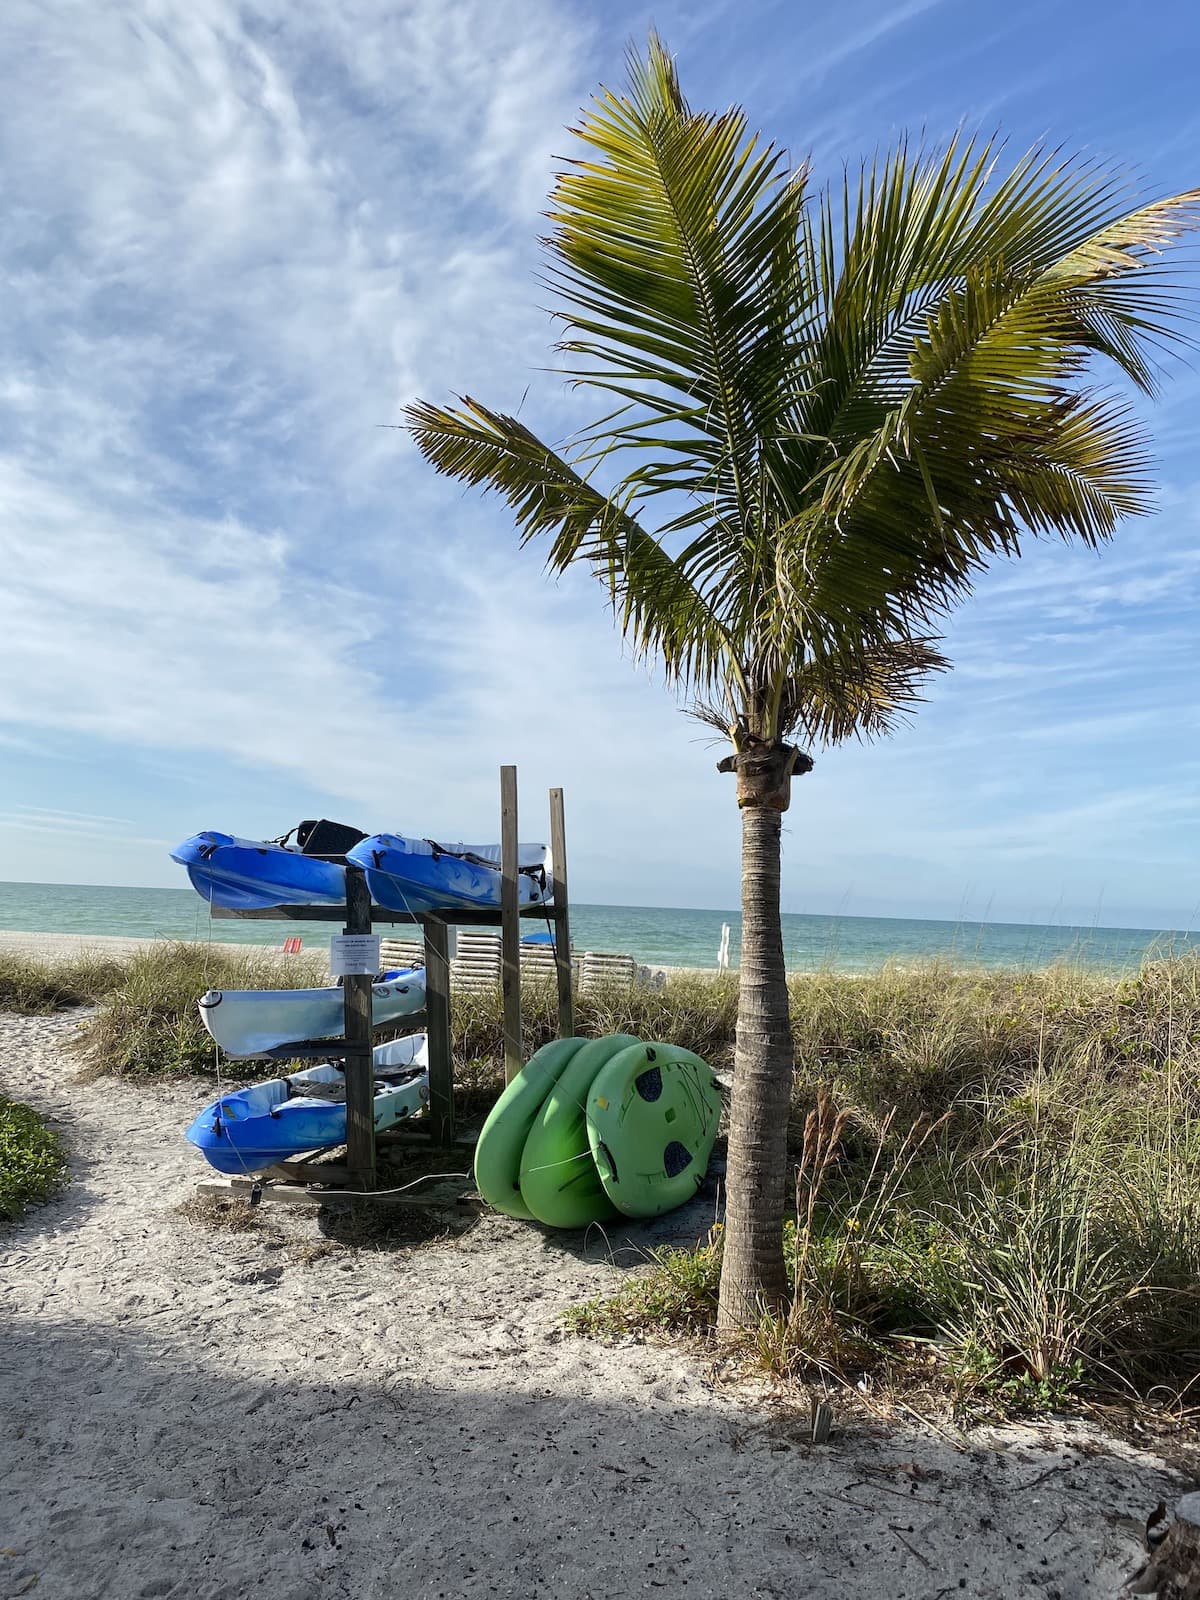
<point>238,238</point>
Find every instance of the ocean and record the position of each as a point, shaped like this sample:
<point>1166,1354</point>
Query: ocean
<point>651,934</point>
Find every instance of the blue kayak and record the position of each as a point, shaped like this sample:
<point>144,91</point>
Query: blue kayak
<point>252,874</point>
<point>249,1129</point>
<point>422,875</point>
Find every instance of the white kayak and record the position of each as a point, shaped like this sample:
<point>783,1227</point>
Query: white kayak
<point>252,1022</point>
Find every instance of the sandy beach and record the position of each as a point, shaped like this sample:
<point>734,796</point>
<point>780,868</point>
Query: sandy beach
<point>65,946</point>
<point>202,1414</point>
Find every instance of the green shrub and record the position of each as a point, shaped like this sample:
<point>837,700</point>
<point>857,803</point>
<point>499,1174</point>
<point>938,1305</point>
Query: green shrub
<point>32,1159</point>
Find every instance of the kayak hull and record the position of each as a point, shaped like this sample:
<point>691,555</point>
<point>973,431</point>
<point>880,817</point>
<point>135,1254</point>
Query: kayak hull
<point>250,1129</point>
<point>416,875</point>
<point>252,1022</point>
<point>251,874</point>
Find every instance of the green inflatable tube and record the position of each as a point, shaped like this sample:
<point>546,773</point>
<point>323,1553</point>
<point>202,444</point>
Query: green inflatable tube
<point>652,1115</point>
<point>499,1147</point>
<point>559,1181</point>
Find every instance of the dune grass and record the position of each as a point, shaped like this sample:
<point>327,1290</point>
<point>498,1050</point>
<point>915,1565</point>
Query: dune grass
<point>36,988</point>
<point>149,1024</point>
<point>32,1159</point>
<point>997,1192</point>
<point>998,1173</point>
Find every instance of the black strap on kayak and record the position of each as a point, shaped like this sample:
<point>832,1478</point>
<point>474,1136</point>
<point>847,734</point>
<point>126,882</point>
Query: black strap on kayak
<point>537,873</point>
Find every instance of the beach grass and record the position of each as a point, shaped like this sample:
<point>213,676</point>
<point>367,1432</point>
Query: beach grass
<point>997,1193</point>
<point>32,1159</point>
<point>998,1173</point>
<point>34,987</point>
<point>148,1023</point>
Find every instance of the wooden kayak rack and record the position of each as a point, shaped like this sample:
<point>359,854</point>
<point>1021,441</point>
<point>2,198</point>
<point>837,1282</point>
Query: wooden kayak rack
<point>359,1173</point>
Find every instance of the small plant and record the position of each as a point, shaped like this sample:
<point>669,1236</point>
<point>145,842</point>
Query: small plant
<point>679,1295</point>
<point>33,1161</point>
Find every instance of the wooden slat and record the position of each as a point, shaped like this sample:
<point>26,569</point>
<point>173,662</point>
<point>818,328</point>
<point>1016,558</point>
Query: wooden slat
<point>510,930</point>
<point>360,1075</point>
<point>477,917</point>
<point>562,932</point>
<point>314,1172</point>
<point>437,1010</point>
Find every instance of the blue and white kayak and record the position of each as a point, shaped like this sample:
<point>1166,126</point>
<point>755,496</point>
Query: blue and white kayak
<point>253,1128</point>
<point>250,1022</point>
<point>422,875</point>
<point>252,874</point>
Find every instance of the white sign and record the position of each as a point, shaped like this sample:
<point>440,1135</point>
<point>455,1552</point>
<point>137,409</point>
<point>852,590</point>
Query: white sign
<point>353,953</point>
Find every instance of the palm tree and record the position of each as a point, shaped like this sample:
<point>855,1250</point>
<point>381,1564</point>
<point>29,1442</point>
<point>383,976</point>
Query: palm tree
<point>823,414</point>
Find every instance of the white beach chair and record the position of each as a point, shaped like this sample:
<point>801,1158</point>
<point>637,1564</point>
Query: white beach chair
<point>401,953</point>
<point>606,969</point>
<point>476,962</point>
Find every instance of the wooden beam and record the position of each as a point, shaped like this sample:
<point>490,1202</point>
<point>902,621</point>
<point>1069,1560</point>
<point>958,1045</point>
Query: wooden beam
<point>311,1172</point>
<point>331,1049</point>
<point>510,928</point>
<point>562,931</point>
<point>360,1075</point>
<point>476,917</point>
<point>437,1012</point>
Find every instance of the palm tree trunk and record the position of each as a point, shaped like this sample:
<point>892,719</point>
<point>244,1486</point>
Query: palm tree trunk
<point>753,1275</point>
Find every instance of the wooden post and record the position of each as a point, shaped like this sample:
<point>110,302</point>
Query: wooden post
<point>437,1012</point>
<point>360,1076</point>
<point>562,917</point>
<point>510,924</point>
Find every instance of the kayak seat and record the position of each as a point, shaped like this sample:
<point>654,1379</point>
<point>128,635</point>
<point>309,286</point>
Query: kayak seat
<point>320,837</point>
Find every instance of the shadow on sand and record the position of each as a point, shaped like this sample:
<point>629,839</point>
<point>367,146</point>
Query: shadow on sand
<point>131,1469</point>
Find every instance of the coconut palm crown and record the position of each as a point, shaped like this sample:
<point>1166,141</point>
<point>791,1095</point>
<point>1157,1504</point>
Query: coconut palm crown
<point>823,414</point>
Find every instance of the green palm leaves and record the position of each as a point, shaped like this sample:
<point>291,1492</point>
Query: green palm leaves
<point>823,413</point>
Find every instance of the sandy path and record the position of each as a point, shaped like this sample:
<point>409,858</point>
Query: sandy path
<point>193,1414</point>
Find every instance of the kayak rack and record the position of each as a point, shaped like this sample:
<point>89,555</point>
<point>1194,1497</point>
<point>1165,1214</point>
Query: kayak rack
<point>360,916</point>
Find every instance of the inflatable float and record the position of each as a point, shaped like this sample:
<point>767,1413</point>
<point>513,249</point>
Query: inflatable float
<point>588,1131</point>
<point>653,1112</point>
<point>559,1181</point>
<point>502,1140</point>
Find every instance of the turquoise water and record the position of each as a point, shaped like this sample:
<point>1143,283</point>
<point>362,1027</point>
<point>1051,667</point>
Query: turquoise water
<point>674,938</point>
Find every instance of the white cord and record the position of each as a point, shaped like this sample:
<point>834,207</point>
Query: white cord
<point>368,1194</point>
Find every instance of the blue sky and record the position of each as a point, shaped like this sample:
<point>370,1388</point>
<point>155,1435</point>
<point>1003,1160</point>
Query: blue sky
<point>236,238</point>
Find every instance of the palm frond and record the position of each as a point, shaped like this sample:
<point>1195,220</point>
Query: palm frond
<point>658,608</point>
<point>829,412</point>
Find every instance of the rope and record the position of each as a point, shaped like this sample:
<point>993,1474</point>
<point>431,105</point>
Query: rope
<point>368,1194</point>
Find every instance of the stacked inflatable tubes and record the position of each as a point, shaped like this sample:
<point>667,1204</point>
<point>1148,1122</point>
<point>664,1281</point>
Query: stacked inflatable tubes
<point>559,1181</point>
<point>593,1129</point>
<point>498,1151</point>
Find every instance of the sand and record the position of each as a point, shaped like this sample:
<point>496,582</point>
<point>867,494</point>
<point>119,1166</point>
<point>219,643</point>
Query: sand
<point>67,946</point>
<point>187,1413</point>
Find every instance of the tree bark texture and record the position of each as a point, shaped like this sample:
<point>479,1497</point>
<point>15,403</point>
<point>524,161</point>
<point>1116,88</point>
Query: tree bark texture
<point>753,1276</point>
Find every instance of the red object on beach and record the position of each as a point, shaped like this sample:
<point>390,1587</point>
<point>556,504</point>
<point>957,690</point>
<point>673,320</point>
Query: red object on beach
<point>291,947</point>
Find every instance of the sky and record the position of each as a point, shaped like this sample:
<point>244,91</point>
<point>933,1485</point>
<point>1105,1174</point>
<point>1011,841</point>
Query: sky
<point>236,239</point>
